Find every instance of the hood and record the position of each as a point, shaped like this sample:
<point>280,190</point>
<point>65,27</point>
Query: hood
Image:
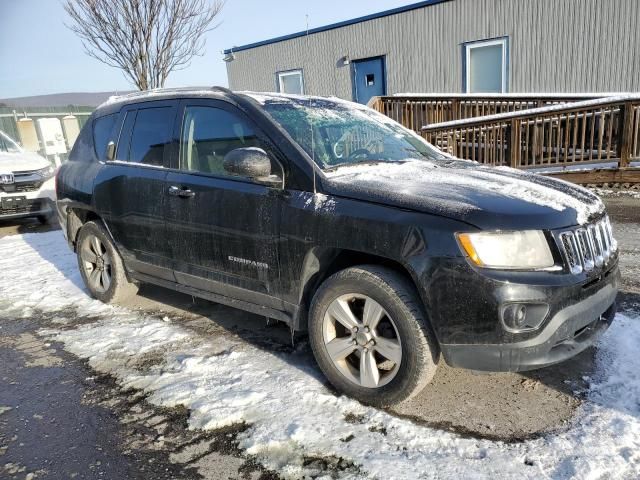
<point>486,197</point>
<point>21,161</point>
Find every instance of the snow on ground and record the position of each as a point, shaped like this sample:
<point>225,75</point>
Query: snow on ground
<point>291,414</point>
<point>606,192</point>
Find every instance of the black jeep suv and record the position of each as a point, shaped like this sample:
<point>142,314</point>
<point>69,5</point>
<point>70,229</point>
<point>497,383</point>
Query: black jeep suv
<point>334,219</point>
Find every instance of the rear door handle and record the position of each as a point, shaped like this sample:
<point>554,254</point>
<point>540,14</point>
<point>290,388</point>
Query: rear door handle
<point>181,192</point>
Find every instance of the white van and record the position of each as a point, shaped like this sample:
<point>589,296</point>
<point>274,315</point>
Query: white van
<point>27,186</point>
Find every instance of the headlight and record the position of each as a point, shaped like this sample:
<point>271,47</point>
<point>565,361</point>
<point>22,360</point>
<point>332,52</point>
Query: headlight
<point>46,172</point>
<point>525,250</point>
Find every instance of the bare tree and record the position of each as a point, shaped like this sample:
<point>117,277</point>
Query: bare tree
<point>146,39</point>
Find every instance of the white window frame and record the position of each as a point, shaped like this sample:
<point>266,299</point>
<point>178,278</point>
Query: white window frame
<point>486,43</point>
<point>288,73</point>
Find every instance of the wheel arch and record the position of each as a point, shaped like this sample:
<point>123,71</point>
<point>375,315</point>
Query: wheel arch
<point>77,217</point>
<point>321,263</point>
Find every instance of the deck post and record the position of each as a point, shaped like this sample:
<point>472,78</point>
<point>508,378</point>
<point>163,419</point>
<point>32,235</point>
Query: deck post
<point>514,143</point>
<point>626,129</point>
<point>455,109</point>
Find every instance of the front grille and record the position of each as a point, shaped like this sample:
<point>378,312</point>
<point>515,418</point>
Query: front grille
<point>21,187</point>
<point>588,247</point>
<point>30,206</point>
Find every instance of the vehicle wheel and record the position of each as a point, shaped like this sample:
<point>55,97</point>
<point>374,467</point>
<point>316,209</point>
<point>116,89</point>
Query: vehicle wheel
<point>101,266</point>
<point>370,336</point>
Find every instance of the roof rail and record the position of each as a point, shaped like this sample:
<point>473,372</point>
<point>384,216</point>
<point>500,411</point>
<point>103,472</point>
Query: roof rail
<point>216,88</point>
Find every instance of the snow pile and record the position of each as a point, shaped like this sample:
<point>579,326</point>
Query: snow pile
<point>223,380</point>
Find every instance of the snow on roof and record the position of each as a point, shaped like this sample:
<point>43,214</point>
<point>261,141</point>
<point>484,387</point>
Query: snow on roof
<point>264,97</point>
<point>308,100</point>
<point>143,94</point>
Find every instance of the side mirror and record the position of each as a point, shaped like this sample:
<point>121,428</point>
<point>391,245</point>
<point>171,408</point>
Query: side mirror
<point>250,162</point>
<point>111,151</point>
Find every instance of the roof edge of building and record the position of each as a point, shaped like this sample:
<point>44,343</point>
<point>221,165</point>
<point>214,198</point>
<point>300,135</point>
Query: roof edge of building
<point>333,26</point>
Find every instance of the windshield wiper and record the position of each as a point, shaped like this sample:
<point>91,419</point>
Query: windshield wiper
<point>361,162</point>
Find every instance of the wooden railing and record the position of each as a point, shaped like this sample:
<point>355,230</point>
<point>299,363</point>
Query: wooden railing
<point>527,131</point>
<point>417,111</point>
<point>579,133</point>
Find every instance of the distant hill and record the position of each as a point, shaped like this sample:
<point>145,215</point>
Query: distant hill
<point>80,99</point>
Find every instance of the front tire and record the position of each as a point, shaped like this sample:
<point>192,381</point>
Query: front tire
<point>370,336</point>
<point>101,266</point>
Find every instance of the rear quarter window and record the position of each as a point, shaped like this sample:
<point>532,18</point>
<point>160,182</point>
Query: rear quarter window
<point>102,133</point>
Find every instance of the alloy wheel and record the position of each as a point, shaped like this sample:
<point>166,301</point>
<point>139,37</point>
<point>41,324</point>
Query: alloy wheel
<point>96,262</point>
<point>362,340</point>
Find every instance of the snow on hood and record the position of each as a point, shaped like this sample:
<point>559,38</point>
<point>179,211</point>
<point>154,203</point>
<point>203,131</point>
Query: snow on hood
<point>486,197</point>
<point>21,161</point>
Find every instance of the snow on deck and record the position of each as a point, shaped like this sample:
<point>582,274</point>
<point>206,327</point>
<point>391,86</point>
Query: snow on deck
<point>512,96</point>
<point>530,112</point>
<point>222,380</point>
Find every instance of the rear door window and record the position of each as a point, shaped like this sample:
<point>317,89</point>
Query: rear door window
<point>102,134</point>
<point>151,135</point>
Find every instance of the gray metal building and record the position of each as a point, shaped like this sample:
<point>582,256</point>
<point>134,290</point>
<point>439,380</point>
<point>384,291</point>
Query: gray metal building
<point>467,46</point>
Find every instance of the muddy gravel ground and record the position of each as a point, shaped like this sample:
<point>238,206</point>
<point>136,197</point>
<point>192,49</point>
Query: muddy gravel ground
<point>59,419</point>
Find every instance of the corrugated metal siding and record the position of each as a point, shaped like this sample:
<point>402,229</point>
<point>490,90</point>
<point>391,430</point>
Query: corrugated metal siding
<point>554,46</point>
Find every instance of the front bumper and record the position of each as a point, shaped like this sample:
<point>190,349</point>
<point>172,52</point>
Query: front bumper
<point>569,332</point>
<point>28,208</point>
<point>579,315</point>
<point>36,202</point>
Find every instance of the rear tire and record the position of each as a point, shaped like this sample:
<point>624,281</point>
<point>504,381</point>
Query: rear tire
<point>400,345</point>
<point>101,266</point>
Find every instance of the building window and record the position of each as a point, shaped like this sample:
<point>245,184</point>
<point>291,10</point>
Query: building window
<point>485,66</point>
<point>291,82</point>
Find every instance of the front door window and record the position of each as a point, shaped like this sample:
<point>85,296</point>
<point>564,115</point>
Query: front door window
<point>209,134</point>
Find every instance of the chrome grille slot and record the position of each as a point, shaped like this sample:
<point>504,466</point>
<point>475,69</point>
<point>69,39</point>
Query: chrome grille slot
<point>585,247</point>
<point>612,240</point>
<point>606,246</point>
<point>588,247</point>
<point>571,251</point>
<point>597,245</point>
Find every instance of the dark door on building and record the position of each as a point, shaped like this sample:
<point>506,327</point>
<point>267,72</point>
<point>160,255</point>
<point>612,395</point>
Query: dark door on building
<point>369,79</point>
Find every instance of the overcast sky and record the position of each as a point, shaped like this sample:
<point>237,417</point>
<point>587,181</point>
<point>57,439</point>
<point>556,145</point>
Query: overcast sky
<point>39,55</point>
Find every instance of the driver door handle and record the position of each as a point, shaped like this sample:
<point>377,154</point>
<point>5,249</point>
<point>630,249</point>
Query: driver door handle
<point>181,192</point>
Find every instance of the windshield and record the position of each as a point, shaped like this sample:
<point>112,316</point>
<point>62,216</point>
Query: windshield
<point>336,133</point>
<point>7,145</point>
